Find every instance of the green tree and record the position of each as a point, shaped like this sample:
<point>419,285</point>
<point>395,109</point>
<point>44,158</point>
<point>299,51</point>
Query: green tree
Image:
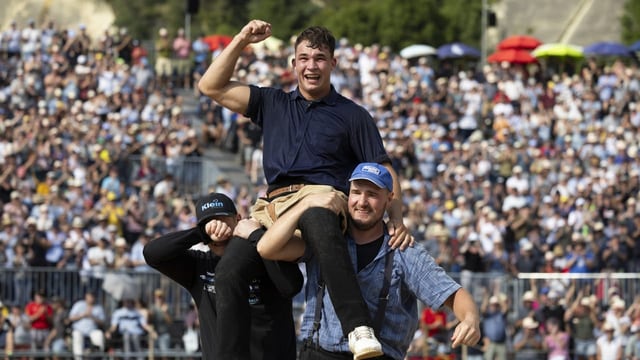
<point>141,17</point>
<point>399,23</point>
<point>396,23</point>
<point>630,21</point>
<point>144,17</point>
<point>287,16</point>
<point>460,20</point>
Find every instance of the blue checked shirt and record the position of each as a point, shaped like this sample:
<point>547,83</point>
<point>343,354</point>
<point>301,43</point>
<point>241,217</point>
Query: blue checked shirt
<point>415,276</point>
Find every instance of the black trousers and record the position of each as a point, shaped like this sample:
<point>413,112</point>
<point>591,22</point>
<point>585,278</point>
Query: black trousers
<point>240,264</point>
<point>322,232</point>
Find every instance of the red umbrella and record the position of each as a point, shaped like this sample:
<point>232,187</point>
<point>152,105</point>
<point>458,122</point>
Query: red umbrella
<point>216,41</point>
<point>514,56</point>
<point>519,42</point>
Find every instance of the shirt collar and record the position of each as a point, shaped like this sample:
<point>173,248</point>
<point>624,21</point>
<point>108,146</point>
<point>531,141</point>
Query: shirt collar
<point>385,248</point>
<point>330,99</point>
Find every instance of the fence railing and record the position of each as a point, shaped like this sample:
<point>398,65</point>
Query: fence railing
<point>16,287</point>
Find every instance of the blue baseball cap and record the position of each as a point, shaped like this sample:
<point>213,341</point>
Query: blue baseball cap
<point>375,173</point>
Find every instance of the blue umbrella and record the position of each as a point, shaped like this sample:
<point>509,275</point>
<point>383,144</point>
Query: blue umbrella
<point>607,48</point>
<point>457,50</point>
<point>635,46</point>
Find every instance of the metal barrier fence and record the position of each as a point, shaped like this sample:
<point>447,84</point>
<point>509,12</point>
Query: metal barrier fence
<point>16,287</point>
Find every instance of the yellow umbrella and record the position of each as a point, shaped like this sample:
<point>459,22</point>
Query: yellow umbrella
<point>558,50</point>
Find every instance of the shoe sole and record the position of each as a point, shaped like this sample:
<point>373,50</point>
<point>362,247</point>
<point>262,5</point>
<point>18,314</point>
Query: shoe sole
<point>368,354</point>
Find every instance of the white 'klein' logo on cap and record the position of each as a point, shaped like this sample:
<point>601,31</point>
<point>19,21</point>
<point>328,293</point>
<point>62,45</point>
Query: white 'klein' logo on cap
<point>212,204</point>
<point>371,169</point>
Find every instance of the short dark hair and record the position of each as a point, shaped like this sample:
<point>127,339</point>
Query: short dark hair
<point>317,36</point>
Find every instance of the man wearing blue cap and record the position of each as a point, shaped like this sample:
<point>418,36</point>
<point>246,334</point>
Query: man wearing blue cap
<point>272,285</point>
<point>391,281</point>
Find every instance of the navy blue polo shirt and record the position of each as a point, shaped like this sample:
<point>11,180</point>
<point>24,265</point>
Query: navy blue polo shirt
<point>318,142</point>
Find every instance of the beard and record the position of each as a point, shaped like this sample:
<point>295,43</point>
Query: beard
<point>367,223</point>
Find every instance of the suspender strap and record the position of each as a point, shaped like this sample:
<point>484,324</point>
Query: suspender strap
<point>383,298</point>
<point>384,292</point>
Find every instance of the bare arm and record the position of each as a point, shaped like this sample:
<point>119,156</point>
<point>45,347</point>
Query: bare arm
<point>216,82</point>
<point>467,332</point>
<point>279,242</point>
<point>400,235</point>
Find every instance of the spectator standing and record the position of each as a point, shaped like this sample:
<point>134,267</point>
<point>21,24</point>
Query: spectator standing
<point>632,350</point>
<point>556,341</point>
<point>473,259</point>
<point>161,319</point>
<point>434,324</point>
<point>580,259</point>
<point>134,221</point>
<point>201,57</point>
<point>527,308</point>
<point>87,318</point>
<point>56,340</point>
<point>494,327</point>
<point>191,328</point>
<point>164,72</point>
<point>582,321</point>
<point>22,282</point>
<point>129,324</point>
<point>551,307</point>
<point>99,258</point>
<point>125,46</point>
<point>121,258</point>
<point>15,209</point>
<point>21,325</point>
<point>40,315</point>
<point>6,330</point>
<point>182,59</point>
<point>609,346</point>
<point>616,316</point>
<point>137,257</point>
<point>528,343</point>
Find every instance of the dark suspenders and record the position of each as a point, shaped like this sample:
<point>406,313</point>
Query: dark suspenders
<point>383,299</point>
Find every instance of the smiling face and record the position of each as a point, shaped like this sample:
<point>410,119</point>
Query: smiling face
<point>367,204</point>
<point>314,61</point>
<point>313,68</point>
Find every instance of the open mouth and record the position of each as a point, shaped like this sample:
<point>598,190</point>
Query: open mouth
<point>312,78</point>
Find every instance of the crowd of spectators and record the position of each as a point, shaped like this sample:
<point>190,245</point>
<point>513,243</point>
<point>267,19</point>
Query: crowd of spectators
<point>506,169</point>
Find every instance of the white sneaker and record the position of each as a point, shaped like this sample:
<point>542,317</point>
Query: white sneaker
<point>363,343</point>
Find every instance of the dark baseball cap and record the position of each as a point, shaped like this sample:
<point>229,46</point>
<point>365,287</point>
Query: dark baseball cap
<point>214,204</point>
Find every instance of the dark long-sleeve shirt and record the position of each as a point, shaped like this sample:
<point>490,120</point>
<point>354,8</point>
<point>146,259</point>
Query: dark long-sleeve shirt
<point>272,330</point>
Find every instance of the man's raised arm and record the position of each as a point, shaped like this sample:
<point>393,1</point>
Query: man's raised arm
<point>216,82</point>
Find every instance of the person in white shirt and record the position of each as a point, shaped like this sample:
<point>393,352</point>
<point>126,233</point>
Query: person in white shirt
<point>609,346</point>
<point>86,317</point>
<point>99,258</point>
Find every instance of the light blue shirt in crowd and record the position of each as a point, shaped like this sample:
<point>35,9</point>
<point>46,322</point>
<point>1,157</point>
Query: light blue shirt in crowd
<point>415,276</point>
<point>86,325</point>
<point>129,320</point>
